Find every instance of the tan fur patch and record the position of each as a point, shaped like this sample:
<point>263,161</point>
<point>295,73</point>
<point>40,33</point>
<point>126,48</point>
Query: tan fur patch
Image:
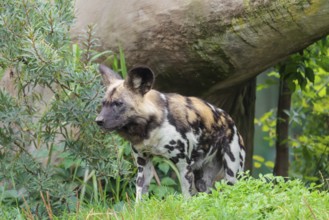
<point>150,104</point>
<point>177,107</point>
<point>114,91</point>
<point>204,111</point>
<point>191,116</point>
<point>228,132</point>
<point>223,120</point>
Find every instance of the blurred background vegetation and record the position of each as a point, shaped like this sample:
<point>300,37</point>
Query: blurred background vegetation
<point>53,157</point>
<point>309,119</point>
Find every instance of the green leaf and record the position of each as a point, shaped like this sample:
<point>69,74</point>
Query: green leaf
<point>67,163</point>
<point>269,164</point>
<point>309,73</point>
<point>301,81</point>
<point>76,55</point>
<point>321,107</point>
<point>167,181</point>
<point>290,69</point>
<point>10,194</point>
<point>292,86</point>
<point>164,167</point>
<point>324,63</point>
<point>115,64</point>
<point>257,164</point>
<point>258,158</point>
<point>265,128</point>
<point>98,55</point>
<point>41,153</point>
<point>123,63</point>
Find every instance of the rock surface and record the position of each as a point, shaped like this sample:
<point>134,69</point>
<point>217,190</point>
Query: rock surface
<point>199,47</point>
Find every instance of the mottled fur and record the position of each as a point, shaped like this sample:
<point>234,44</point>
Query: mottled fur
<point>200,139</point>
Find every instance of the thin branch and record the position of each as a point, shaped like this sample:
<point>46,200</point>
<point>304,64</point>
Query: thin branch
<point>21,147</point>
<point>47,205</point>
<point>310,208</point>
<point>157,179</point>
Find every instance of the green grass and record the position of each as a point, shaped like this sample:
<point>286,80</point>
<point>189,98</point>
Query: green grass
<point>7,212</point>
<point>263,198</point>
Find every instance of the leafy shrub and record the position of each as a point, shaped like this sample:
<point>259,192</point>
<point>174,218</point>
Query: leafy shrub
<point>53,157</point>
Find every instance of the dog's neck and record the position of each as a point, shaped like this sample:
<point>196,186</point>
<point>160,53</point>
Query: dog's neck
<point>139,129</point>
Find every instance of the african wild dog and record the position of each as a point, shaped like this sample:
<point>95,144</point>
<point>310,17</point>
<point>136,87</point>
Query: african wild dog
<point>200,139</point>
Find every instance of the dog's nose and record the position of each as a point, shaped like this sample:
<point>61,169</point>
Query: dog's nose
<point>100,121</point>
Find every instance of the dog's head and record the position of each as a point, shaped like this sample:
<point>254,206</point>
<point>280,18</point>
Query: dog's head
<point>125,101</point>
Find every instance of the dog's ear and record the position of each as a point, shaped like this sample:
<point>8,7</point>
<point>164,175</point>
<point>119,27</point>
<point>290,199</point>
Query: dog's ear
<point>140,79</point>
<point>108,75</point>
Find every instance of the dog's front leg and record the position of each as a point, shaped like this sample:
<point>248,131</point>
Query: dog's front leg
<point>187,178</point>
<point>144,174</point>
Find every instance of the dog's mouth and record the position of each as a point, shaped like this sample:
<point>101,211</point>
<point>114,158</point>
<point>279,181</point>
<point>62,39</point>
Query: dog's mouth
<point>107,130</point>
<point>113,127</point>
<point>132,126</point>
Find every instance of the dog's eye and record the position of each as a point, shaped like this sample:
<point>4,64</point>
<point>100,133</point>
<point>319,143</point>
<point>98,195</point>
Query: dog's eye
<point>117,103</point>
<point>104,103</point>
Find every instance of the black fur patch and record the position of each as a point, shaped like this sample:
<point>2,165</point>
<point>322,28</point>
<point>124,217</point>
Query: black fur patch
<point>169,147</point>
<point>141,161</point>
<point>199,182</point>
<point>228,170</point>
<point>180,146</point>
<point>139,129</point>
<point>178,156</point>
<point>240,156</point>
<point>229,153</point>
<point>135,151</point>
<point>174,160</point>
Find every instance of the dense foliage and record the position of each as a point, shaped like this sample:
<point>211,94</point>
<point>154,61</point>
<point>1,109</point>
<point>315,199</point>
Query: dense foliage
<point>52,153</point>
<point>308,76</point>
<point>310,119</point>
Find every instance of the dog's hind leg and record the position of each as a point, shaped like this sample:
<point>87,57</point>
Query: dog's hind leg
<point>187,178</point>
<point>233,158</point>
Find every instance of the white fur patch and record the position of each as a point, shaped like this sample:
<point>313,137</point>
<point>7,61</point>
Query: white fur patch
<point>235,149</point>
<point>160,137</point>
<point>163,97</point>
<point>137,82</point>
